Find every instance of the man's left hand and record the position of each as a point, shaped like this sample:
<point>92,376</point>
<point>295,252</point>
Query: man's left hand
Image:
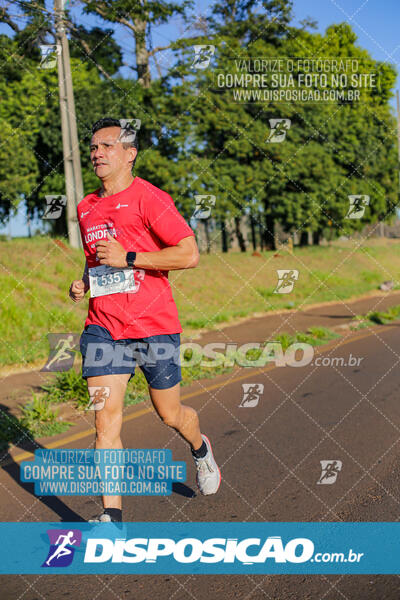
<point>110,252</point>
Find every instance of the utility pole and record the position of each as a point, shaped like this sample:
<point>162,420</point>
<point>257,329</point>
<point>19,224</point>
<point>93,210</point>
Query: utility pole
<point>72,161</point>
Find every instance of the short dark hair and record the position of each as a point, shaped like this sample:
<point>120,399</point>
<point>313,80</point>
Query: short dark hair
<point>127,131</point>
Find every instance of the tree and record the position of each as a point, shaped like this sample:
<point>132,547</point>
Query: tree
<point>138,17</point>
<point>337,149</point>
<point>21,94</point>
<point>195,139</point>
<point>230,137</point>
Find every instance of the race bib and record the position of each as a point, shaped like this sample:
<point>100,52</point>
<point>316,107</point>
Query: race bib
<point>106,280</point>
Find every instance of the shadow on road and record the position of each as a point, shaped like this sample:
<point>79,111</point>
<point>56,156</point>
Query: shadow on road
<point>183,490</point>
<point>328,316</point>
<point>12,432</point>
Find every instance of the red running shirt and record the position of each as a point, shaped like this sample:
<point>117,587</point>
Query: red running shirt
<point>142,218</point>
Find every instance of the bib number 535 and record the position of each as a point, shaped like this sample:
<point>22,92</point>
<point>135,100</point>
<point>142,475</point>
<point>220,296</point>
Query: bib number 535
<point>106,280</point>
<point>110,278</point>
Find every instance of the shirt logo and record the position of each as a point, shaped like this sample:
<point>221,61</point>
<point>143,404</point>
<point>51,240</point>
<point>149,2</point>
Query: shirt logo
<point>84,213</point>
<point>121,205</point>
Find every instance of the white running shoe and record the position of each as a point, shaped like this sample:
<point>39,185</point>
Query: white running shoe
<point>103,518</point>
<point>208,474</point>
<point>115,528</point>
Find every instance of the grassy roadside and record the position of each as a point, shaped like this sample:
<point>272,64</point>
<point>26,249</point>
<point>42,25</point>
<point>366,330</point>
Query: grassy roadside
<point>222,289</point>
<point>40,417</point>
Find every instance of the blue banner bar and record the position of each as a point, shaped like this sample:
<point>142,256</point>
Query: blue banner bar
<point>200,548</point>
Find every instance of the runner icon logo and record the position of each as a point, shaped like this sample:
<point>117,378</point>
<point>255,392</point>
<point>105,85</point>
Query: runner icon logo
<point>204,203</point>
<point>251,394</point>
<point>279,128</point>
<point>202,56</point>
<point>129,129</point>
<point>55,205</point>
<point>329,471</point>
<point>49,54</point>
<point>60,552</point>
<point>286,280</point>
<point>133,123</point>
<point>98,397</point>
<point>357,206</point>
<point>63,347</point>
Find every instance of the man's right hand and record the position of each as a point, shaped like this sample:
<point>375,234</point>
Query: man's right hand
<point>77,290</point>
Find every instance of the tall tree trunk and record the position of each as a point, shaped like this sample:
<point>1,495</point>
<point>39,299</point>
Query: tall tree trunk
<point>142,54</point>
<point>239,235</point>
<point>261,232</point>
<point>206,230</point>
<point>224,237</point>
<point>253,232</point>
<point>316,237</point>
<point>269,231</point>
<point>303,238</point>
<point>59,226</point>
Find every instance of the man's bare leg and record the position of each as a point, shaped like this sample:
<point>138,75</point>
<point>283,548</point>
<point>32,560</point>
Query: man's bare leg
<point>108,420</point>
<point>184,419</point>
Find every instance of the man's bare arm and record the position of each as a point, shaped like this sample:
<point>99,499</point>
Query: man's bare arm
<point>185,255</point>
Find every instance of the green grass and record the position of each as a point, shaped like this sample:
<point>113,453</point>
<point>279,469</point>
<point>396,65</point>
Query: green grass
<point>223,288</point>
<point>67,387</point>
<point>322,333</point>
<point>70,387</point>
<point>265,293</point>
<point>40,417</point>
<point>376,317</point>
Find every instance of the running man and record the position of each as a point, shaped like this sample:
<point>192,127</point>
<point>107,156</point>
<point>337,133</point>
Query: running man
<point>64,348</point>
<point>132,235</point>
<point>62,542</point>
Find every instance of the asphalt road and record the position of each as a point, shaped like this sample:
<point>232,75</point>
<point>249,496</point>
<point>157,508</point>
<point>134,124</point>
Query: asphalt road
<point>270,461</point>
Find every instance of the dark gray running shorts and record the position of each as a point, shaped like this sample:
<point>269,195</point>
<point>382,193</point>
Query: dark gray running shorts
<point>158,356</point>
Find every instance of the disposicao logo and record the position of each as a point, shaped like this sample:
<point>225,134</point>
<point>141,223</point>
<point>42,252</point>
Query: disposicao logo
<point>62,547</point>
<point>190,550</point>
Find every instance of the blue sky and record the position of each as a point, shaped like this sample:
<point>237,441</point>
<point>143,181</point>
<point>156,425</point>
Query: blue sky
<point>374,22</point>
